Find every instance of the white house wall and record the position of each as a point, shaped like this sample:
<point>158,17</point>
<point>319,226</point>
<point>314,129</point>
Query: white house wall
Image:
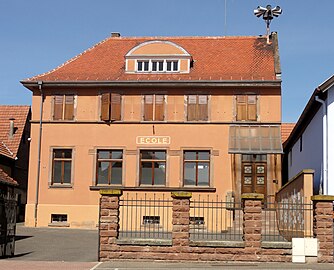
<point>330,100</point>
<point>311,155</point>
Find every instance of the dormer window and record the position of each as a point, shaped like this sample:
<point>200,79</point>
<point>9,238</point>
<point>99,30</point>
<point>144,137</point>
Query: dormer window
<point>157,57</point>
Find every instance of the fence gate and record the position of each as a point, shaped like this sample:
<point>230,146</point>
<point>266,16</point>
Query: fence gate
<point>8,204</point>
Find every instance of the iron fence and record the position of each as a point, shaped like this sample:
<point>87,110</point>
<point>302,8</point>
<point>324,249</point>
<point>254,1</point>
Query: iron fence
<point>145,216</point>
<point>215,219</point>
<point>284,220</point>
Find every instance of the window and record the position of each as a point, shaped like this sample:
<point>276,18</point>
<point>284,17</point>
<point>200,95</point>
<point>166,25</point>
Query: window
<point>111,106</point>
<point>196,168</point>
<point>61,166</point>
<point>246,107</point>
<point>63,107</point>
<point>152,167</point>
<point>109,167</point>
<point>154,107</point>
<point>196,220</point>
<point>58,218</point>
<point>161,65</point>
<point>197,108</point>
<point>148,220</point>
<point>301,143</point>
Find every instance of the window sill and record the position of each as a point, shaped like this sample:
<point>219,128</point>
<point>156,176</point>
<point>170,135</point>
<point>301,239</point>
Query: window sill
<point>60,186</point>
<point>156,188</point>
<point>59,224</point>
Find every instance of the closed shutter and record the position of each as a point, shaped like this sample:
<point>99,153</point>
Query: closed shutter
<point>241,108</point>
<point>202,113</point>
<point>148,107</point>
<point>116,106</point>
<point>58,107</point>
<point>159,108</point>
<point>252,115</point>
<point>69,107</point>
<point>105,106</point>
<point>191,108</point>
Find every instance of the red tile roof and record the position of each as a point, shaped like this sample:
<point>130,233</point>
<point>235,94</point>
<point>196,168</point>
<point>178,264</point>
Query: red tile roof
<point>286,130</point>
<point>215,58</point>
<point>10,146</point>
<point>6,179</point>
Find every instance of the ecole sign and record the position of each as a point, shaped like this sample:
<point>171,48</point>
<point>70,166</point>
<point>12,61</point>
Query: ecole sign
<point>153,140</point>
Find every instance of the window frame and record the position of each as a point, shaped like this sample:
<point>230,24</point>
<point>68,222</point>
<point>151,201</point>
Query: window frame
<point>247,104</point>
<point>63,106</point>
<point>63,160</point>
<point>106,112</point>
<point>175,65</point>
<point>154,108</point>
<point>197,161</point>
<point>110,160</point>
<point>153,161</point>
<point>197,109</point>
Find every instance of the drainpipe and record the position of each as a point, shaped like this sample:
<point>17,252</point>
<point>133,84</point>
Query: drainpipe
<point>40,83</point>
<point>324,145</point>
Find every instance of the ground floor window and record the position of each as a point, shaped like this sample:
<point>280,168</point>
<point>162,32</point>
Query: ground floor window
<point>152,167</point>
<point>61,166</point>
<point>109,167</point>
<point>196,168</point>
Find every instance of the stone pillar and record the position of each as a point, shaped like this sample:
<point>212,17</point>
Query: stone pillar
<point>323,226</point>
<point>181,214</point>
<point>108,221</point>
<point>252,207</point>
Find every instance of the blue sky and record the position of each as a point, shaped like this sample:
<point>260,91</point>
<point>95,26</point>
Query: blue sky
<point>38,35</point>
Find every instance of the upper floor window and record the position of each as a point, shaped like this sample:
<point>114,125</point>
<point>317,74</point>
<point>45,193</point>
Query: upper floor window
<point>109,167</point>
<point>197,108</point>
<point>158,65</point>
<point>111,105</point>
<point>61,166</point>
<point>152,167</point>
<point>154,107</point>
<point>63,107</point>
<point>246,108</point>
<point>196,168</point>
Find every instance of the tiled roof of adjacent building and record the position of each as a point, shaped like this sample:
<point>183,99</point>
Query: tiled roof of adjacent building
<point>10,146</point>
<point>6,179</point>
<point>286,129</point>
<point>215,58</point>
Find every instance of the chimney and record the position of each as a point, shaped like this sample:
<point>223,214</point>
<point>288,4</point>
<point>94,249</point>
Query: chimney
<point>11,127</point>
<point>115,34</point>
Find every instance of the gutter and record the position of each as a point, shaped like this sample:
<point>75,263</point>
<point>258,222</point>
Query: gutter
<point>40,83</point>
<point>324,146</point>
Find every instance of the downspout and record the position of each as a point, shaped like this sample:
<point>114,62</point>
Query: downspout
<point>40,83</point>
<point>324,145</point>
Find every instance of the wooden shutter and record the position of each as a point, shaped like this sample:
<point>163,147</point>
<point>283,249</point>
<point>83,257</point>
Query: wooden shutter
<point>105,106</point>
<point>116,106</point>
<point>148,107</point>
<point>241,108</point>
<point>251,108</point>
<point>69,107</point>
<point>202,113</point>
<point>58,107</point>
<point>191,107</point>
<point>159,108</point>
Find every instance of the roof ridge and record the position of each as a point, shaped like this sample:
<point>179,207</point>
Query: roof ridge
<point>186,37</point>
<point>68,61</point>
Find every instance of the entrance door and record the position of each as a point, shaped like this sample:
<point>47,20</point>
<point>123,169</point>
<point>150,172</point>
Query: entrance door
<point>254,174</point>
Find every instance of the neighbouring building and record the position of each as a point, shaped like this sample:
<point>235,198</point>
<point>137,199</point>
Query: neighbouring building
<point>154,114</point>
<point>311,143</point>
<point>14,149</point>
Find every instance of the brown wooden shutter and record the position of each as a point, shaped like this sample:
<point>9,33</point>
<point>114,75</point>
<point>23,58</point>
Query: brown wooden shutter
<point>116,106</point>
<point>202,108</point>
<point>191,107</point>
<point>241,108</point>
<point>105,106</point>
<point>58,107</point>
<point>159,108</point>
<point>148,107</point>
<point>69,107</point>
<point>251,110</point>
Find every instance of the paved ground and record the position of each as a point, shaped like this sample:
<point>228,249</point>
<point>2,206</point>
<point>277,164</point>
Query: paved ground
<point>62,249</point>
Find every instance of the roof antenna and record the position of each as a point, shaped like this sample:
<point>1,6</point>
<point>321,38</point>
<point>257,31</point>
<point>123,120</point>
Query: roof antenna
<point>267,13</point>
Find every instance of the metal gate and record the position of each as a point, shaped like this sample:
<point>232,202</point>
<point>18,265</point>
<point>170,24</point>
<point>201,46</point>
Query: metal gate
<point>8,204</point>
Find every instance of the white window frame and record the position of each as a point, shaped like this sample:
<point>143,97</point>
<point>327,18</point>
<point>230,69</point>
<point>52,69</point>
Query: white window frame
<point>164,68</point>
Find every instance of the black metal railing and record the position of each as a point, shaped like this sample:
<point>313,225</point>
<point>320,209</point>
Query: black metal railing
<point>145,216</point>
<point>215,219</point>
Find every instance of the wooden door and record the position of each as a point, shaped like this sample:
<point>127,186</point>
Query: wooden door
<point>254,177</point>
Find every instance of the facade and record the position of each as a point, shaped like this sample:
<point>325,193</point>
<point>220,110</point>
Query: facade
<point>311,144</point>
<point>154,115</point>
<point>14,149</point>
